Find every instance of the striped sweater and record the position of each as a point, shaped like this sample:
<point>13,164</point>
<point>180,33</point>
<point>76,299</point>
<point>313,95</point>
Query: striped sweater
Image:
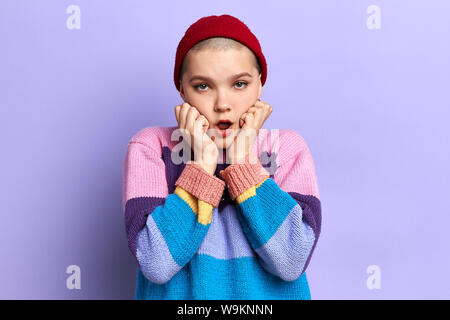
<point>246,232</point>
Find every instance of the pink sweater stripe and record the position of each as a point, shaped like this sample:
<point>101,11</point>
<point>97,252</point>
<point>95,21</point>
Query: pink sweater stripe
<point>297,172</point>
<point>144,174</point>
<point>242,176</point>
<point>202,185</point>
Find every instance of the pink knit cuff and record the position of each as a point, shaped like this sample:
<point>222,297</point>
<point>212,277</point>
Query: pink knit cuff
<point>241,176</point>
<point>202,185</point>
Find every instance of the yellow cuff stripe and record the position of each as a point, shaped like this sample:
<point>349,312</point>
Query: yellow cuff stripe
<point>188,198</point>
<point>204,212</point>
<point>250,192</point>
<point>202,209</point>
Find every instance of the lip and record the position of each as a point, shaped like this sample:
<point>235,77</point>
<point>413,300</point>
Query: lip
<point>225,132</point>
<point>225,120</point>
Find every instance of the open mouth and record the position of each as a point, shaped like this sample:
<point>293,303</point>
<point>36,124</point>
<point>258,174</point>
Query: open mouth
<point>224,126</point>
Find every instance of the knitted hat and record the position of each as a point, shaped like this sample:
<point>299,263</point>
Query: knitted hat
<point>218,26</point>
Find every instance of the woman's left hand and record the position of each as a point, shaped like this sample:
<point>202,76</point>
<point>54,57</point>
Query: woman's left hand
<point>250,123</point>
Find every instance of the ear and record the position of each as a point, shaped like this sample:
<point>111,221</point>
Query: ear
<point>182,91</point>
<point>260,87</point>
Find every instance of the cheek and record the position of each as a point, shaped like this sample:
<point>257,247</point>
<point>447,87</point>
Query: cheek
<point>244,108</point>
<point>203,110</point>
<point>246,103</point>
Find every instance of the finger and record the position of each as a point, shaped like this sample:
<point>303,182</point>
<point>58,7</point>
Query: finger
<point>259,116</point>
<point>265,108</point>
<point>259,112</point>
<point>203,122</point>
<point>190,118</point>
<point>258,120</point>
<point>263,105</point>
<point>260,103</point>
<point>241,119</point>
<point>252,109</point>
<point>198,127</point>
<point>248,121</point>
<point>177,113</point>
<point>183,112</point>
<point>269,112</point>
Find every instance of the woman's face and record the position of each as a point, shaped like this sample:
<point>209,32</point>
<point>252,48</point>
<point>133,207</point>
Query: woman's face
<point>222,85</point>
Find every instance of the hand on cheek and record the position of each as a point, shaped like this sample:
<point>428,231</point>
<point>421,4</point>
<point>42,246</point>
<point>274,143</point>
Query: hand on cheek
<point>193,128</point>
<point>250,123</point>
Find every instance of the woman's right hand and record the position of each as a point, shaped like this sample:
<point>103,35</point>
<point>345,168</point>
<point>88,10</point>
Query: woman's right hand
<point>193,128</point>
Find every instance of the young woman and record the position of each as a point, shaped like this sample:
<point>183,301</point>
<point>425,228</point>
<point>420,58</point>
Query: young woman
<point>241,216</point>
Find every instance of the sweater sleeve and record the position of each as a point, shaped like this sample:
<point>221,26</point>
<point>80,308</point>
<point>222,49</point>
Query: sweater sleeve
<point>164,231</point>
<point>282,226</point>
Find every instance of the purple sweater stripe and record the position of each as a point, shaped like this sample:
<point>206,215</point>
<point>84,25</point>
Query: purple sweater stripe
<point>136,213</point>
<point>312,214</point>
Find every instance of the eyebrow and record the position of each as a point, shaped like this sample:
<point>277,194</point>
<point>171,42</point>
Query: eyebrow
<point>198,77</point>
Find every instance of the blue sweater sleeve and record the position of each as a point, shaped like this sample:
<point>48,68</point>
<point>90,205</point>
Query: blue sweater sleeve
<point>164,233</point>
<point>282,226</point>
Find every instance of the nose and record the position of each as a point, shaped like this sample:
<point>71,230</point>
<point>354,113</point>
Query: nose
<point>222,103</point>
<point>222,108</point>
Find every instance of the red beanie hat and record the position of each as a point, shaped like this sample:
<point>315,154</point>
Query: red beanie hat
<point>218,26</point>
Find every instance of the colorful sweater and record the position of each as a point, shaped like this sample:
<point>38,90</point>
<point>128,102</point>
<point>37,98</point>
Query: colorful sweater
<point>246,232</point>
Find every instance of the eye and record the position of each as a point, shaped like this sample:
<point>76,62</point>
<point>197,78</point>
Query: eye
<point>200,85</point>
<point>203,86</point>
<point>242,82</point>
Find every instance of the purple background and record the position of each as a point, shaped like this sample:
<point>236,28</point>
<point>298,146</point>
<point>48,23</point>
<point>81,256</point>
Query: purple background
<point>373,106</point>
